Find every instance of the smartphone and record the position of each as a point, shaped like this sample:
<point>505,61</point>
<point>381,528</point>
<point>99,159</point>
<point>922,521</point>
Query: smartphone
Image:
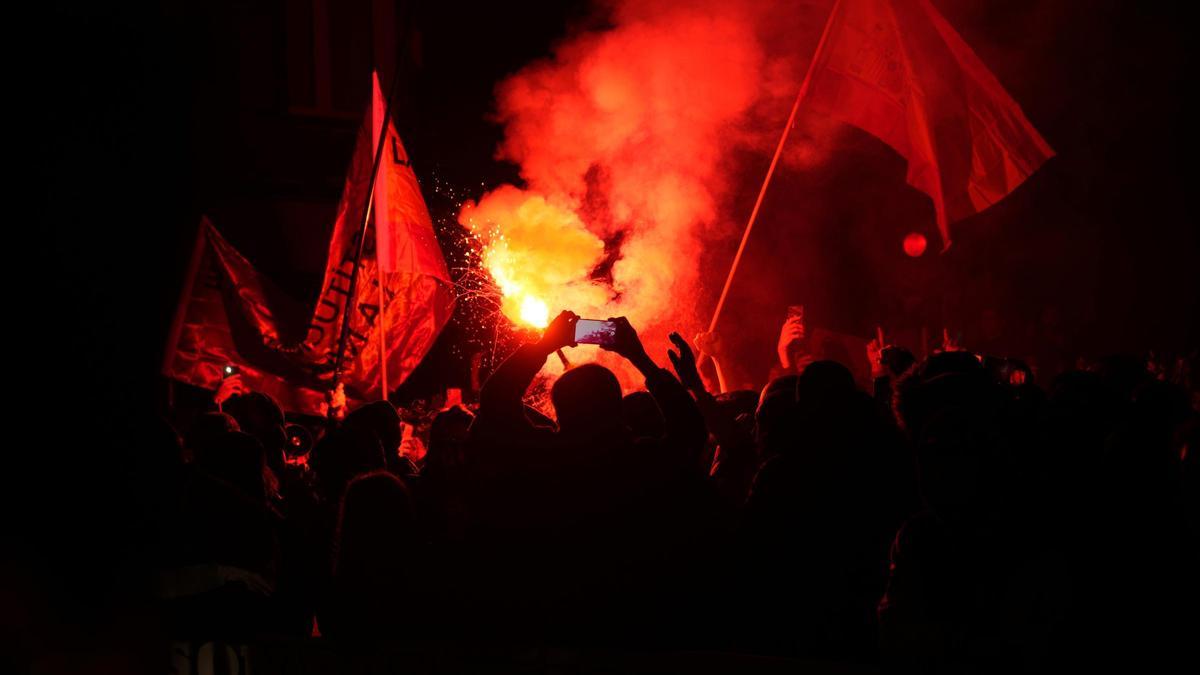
<point>595,332</point>
<point>795,312</point>
<point>229,371</point>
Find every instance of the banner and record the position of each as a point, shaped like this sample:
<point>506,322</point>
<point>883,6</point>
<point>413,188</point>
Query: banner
<point>417,298</point>
<point>899,71</point>
<point>224,319</point>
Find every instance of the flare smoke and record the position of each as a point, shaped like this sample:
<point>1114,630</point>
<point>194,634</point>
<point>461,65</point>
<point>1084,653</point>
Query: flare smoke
<point>626,139</point>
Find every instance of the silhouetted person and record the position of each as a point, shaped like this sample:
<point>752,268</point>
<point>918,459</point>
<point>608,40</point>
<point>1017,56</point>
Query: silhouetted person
<point>774,419</point>
<point>441,499</point>
<point>342,454</point>
<point>381,419</point>
<point>221,570</point>
<point>377,564</point>
<point>260,416</point>
<point>641,415</point>
<point>978,581</point>
<point>937,383</point>
<point>448,436</point>
<point>236,458</point>
<point>816,526</point>
<point>731,457</point>
<point>583,518</point>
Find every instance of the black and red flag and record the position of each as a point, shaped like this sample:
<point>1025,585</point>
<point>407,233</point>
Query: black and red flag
<point>403,296</point>
<point>400,254</point>
<point>224,318</point>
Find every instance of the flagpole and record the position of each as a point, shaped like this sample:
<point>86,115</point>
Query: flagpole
<point>382,331</point>
<point>362,231</point>
<point>737,258</point>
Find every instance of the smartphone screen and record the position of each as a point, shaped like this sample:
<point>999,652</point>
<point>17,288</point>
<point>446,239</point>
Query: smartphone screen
<point>595,332</point>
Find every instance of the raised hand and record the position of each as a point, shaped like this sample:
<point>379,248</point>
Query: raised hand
<point>230,386</point>
<point>627,343</point>
<point>875,358</point>
<point>950,343</point>
<point>875,354</point>
<point>684,362</point>
<point>792,333</point>
<point>560,333</point>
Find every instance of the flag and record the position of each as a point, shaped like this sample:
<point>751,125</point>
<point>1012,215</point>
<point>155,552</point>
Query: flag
<point>899,71</point>
<point>400,252</point>
<point>404,236</point>
<point>225,314</point>
<point>224,319</point>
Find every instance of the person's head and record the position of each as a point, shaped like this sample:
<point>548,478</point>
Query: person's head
<point>642,415</point>
<point>587,399</point>
<point>777,390</point>
<point>898,360</point>
<point>934,384</point>
<point>236,458</point>
<point>381,419</point>
<point>920,396</point>
<point>375,525</point>
<point>822,380</point>
<point>775,417</point>
<point>448,436</point>
<point>260,416</point>
<point>342,454</point>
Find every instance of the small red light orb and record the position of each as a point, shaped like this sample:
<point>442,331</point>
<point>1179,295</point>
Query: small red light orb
<point>914,244</point>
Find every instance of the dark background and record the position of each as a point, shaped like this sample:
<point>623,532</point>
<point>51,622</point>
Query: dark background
<point>151,115</point>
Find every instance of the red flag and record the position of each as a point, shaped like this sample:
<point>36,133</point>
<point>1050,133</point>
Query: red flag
<point>898,70</point>
<point>223,318</point>
<point>404,236</point>
<point>400,251</point>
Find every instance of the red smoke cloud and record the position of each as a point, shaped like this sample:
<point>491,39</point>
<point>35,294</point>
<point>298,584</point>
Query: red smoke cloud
<point>625,139</point>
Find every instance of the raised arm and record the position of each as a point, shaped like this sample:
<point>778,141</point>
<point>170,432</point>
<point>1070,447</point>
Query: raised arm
<point>501,399</point>
<point>719,422</point>
<point>684,423</point>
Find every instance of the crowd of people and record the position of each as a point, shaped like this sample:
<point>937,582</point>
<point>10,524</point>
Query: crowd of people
<point>957,517</point>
